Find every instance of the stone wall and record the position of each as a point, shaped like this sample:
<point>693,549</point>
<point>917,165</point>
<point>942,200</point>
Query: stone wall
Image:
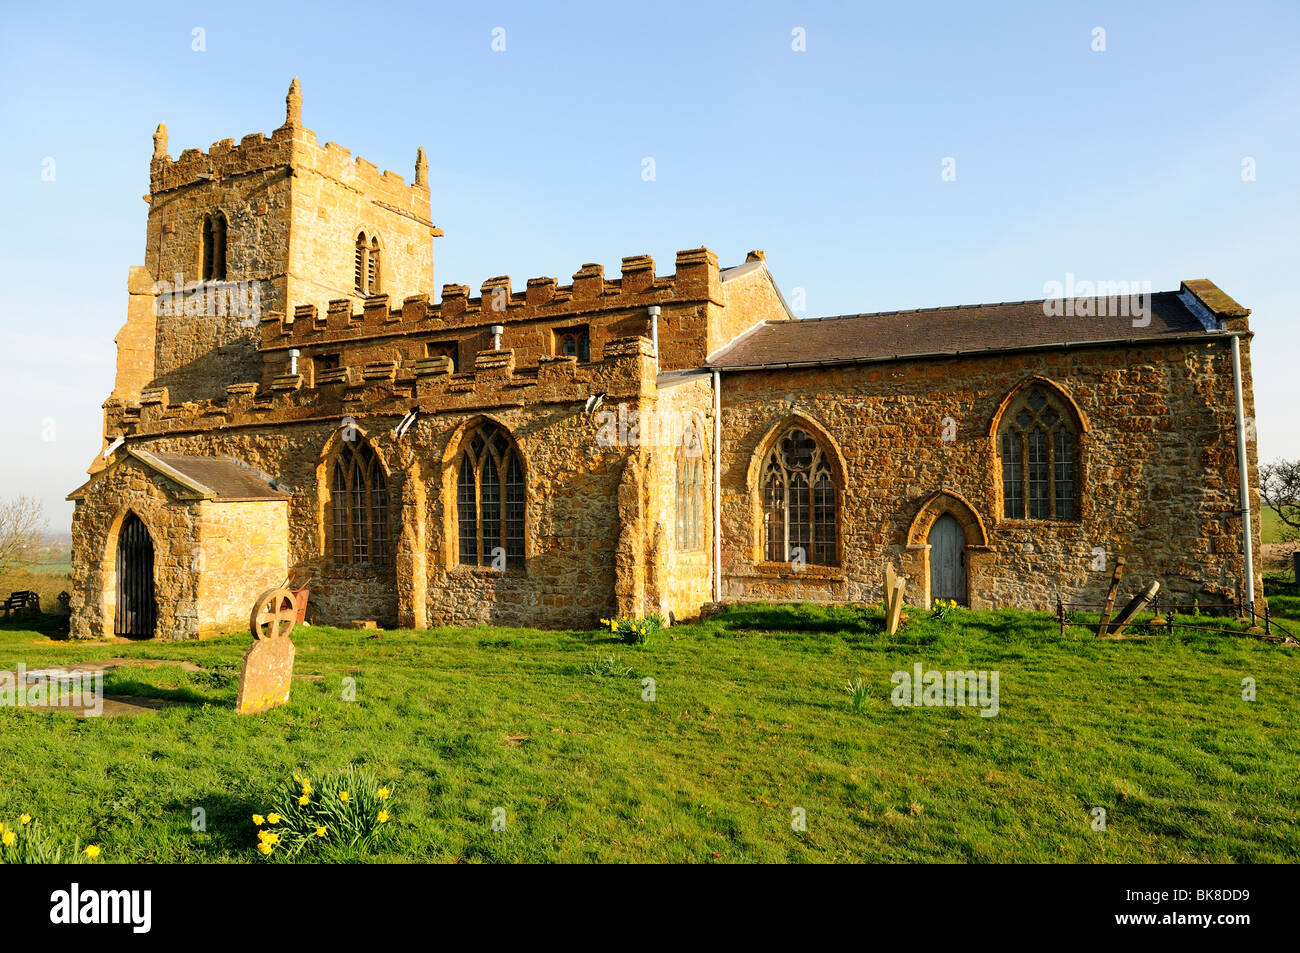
<point>243,550</point>
<point>1159,478</point>
<point>128,486</point>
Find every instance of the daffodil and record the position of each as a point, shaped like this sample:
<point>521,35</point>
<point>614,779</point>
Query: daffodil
<point>305,799</point>
<point>382,794</point>
<point>259,820</point>
<point>320,832</point>
<point>383,817</point>
<point>25,819</point>
<point>343,796</point>
<point>8,838</point>
<point>264,847</point>
<point>92,851</point>
<point>273,818</point>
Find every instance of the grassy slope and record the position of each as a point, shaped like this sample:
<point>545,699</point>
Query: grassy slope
<point>750,721</point>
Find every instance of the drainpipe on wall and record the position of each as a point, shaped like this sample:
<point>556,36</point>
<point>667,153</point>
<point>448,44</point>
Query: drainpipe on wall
<point>293,360</point>
<point>717,486</point>
<point>653,311</point>
<point>497,331</point>
<point>1243,466</point>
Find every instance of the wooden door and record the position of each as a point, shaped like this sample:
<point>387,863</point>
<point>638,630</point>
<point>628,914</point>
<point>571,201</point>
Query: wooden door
<point>947,560</point>
<point>136,610</point>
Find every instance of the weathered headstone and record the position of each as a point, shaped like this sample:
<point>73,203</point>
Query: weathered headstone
<point>1135,605</point>
<point>1110,596</point>
<point>893,598</point>
<point>267,669</point>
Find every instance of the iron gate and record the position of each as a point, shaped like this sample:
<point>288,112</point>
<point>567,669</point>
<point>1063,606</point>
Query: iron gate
<point>136,610</point>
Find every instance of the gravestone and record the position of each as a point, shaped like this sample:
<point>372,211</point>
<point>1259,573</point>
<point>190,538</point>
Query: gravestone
<point>1135,605</point>
<point>267,669</point>
<point>1110,596</point>
<point>893,598</point>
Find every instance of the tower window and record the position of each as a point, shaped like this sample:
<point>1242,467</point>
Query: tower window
<point>366,271</point>
<point>213,248</point>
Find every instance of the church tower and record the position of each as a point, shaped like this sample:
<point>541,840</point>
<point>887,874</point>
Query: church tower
<point>264,225</point>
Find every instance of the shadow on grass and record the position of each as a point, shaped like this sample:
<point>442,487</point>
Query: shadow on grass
<point>126,687</point>
<point>47,624</point>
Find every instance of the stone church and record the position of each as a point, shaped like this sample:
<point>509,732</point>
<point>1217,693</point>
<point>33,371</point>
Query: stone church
<point>291,402</point>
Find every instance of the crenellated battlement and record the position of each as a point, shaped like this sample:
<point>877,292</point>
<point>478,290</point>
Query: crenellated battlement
<point>294,148</point>
<point>393,388</point>
<point>696,281</point>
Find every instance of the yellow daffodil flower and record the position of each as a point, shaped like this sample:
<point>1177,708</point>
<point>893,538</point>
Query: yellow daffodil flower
<point>304,799</point>
<point>273,818</point>
<point>264,848</point>
<point>383,817</point>
<point>320,832</point>
<point>25,819</point>
<point>92,851</point>
<point>343,796</point>
<point>259,820</point>
<point>9,838</point>
<point>382,794</point>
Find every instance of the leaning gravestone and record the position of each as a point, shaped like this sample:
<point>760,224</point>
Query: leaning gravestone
<point>1135,605</point>
<point>267,669</point>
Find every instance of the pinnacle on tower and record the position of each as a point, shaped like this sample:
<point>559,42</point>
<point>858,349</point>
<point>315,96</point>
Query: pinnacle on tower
<point>293,104</point>
<point>421,168</point>
<point>160,141</point>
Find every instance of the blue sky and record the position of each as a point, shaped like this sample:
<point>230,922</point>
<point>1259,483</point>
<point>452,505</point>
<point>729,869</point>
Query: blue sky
<point>1122,164</point>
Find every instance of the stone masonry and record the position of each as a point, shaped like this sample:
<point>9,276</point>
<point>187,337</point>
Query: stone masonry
<point>605,388</point>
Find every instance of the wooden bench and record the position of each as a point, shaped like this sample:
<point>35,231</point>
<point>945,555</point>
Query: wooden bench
<point>22,604</point>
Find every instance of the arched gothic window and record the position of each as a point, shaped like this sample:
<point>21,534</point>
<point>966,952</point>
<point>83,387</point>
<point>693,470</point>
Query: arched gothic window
<point>799,501</point>
<point>213,248</point>
<point>1038,446</point>
<point>692,499</point>
<point>490,498</point>
<point>359,506</point>
<point>366,271</point>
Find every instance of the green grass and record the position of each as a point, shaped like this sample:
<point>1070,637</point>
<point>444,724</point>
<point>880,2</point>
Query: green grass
<point>1271,528</point>
<point>751,720</point>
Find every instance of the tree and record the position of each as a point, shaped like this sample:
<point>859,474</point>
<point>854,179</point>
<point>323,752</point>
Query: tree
<point>22,527</point>
<point>1279,485</point>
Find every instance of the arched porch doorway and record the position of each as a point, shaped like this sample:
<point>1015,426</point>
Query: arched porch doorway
<point>136,611</point>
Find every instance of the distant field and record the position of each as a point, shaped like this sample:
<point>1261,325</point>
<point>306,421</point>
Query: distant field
<point>1270,527</point>
<point>62,567</point>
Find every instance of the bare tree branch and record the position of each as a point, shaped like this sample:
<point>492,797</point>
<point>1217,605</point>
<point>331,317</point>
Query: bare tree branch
<point>1279,485</point>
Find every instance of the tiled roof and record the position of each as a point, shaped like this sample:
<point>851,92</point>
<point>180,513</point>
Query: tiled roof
<point>973,328</point>
<point>222,478</point>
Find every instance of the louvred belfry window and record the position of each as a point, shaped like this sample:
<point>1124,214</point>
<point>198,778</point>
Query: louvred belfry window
<point>359,507</point>
<point>799,499</point>
<point>366,271</point>
<point>1037,443</point>
<point>490,499</point>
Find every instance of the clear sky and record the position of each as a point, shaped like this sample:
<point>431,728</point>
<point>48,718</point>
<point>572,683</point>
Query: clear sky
<point>1125,163</point>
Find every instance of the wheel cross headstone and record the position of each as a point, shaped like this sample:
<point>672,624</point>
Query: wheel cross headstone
<point>267,670</point>
<point>274,614</point>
